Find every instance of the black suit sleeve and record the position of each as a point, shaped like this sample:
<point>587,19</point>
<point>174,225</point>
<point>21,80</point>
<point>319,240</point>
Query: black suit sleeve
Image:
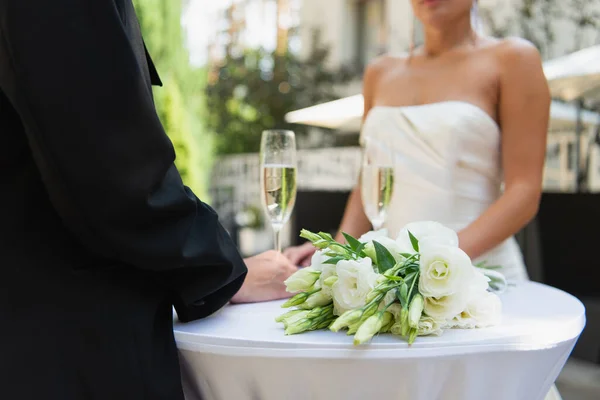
<point>76,80</point>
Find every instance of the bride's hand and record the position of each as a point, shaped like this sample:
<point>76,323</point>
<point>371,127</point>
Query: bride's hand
<point>300,255</point>
<point>264,282</point>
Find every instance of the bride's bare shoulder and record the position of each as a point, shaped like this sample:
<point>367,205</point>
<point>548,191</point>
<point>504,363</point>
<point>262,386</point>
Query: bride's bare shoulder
<point>515,49</point>
<point>385,63</point>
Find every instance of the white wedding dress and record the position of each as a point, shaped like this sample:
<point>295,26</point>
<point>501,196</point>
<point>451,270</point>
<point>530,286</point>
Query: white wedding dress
<point>447,168</point>
<point>447,163</point>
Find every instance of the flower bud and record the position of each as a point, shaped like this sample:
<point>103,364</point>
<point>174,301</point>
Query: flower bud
<point>396,329</point>
<point>368,329</point>
<point>318,312</point>
<point>372,295</point>
<point>352,329</point>
<point>412,336</point>
<point>296,300</point>
<point>388,321</point>
<point>294,318</point>
<point>404,321</point>
<point>415,311</point>
<point>318,299</point>
<point>369,250</point>
<point>339,249</point>
<point>346,319</point>
<point>308,235</point>
<point>288,314</point>
<point>329,282</point>
<point>325,324</point>
<point>298,327</point>
<point>302,280</point>
<point>373,307</point>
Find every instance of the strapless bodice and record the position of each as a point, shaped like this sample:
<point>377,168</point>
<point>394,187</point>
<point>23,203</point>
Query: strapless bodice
<point>447,163</point>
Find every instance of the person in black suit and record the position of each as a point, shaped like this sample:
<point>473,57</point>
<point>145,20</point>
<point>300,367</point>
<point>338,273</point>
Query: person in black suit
<point>99,238</point>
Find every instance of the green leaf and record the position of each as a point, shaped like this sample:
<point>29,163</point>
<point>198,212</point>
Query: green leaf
<point>333,260</point>
<point>414,241</point>
<point>385,260</point>
<point>359,250</point>
<point>354,244</point>
<point>406,255</point>
<point>409,277</point>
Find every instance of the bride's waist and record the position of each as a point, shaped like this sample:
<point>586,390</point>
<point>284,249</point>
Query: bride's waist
<point>471,188</point>
<point>455,209</point>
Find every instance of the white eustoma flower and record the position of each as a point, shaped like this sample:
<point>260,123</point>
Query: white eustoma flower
<point>318,259</point>
<point>443,309</point>
<point>395,310</point>
<point>302,280</point>
<point>428,326</point>
<point>373,235</point>
<point>355,280</point>
<point>426,230</point>
<point>482,311</point>
<point>327,272</point>
<point>445,270</point>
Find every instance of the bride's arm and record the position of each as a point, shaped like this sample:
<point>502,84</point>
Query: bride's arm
<point>524,108</point>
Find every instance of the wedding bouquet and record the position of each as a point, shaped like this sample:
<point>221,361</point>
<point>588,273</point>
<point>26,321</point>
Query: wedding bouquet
<point>417,285</point>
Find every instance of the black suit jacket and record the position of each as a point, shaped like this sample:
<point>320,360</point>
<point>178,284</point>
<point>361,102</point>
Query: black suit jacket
<point>98,235</point>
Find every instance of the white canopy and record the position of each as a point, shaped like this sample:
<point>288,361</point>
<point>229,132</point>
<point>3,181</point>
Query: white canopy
<point>576,75</point>
<point>571,77</point>
<point>346,115</point>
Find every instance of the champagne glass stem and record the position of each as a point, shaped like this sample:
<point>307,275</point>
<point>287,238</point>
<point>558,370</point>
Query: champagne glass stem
<point>277,240</point>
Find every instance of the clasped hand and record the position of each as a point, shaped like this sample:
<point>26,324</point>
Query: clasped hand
<point>265,280</point>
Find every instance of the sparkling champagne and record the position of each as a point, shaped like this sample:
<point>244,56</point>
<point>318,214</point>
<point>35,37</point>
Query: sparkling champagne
<point>278,183</point>
<point>377,186</point>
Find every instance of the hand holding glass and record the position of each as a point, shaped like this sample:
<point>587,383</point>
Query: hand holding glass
<point>278,178</point>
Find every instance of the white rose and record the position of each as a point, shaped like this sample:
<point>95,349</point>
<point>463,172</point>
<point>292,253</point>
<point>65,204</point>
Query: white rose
<point>355,280</point>
<point>373,235</point>
<point>445,270</point>
<point>426,230</point>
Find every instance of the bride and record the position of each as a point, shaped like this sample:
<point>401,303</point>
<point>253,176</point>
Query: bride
<point>461,115</point>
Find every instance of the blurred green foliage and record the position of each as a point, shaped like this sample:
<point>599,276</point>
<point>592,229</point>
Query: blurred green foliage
<point>181,102</point>
<point>253,91</point>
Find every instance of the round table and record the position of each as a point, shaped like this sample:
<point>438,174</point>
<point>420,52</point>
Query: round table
<point>241,353</point>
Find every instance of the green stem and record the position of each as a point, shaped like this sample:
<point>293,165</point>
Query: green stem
<point>416,278</point>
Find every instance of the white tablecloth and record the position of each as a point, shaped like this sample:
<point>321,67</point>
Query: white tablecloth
<point>240,353</point>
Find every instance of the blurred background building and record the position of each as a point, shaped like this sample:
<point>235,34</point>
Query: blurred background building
<point>233,68</point>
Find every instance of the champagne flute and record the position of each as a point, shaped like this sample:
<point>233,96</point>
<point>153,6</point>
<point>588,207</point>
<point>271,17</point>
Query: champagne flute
<point>377,182</point>
<point>278,178</point>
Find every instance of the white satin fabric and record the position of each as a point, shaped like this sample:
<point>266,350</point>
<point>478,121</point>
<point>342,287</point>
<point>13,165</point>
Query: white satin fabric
<point>447,163</point>
<point>240,353</point>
